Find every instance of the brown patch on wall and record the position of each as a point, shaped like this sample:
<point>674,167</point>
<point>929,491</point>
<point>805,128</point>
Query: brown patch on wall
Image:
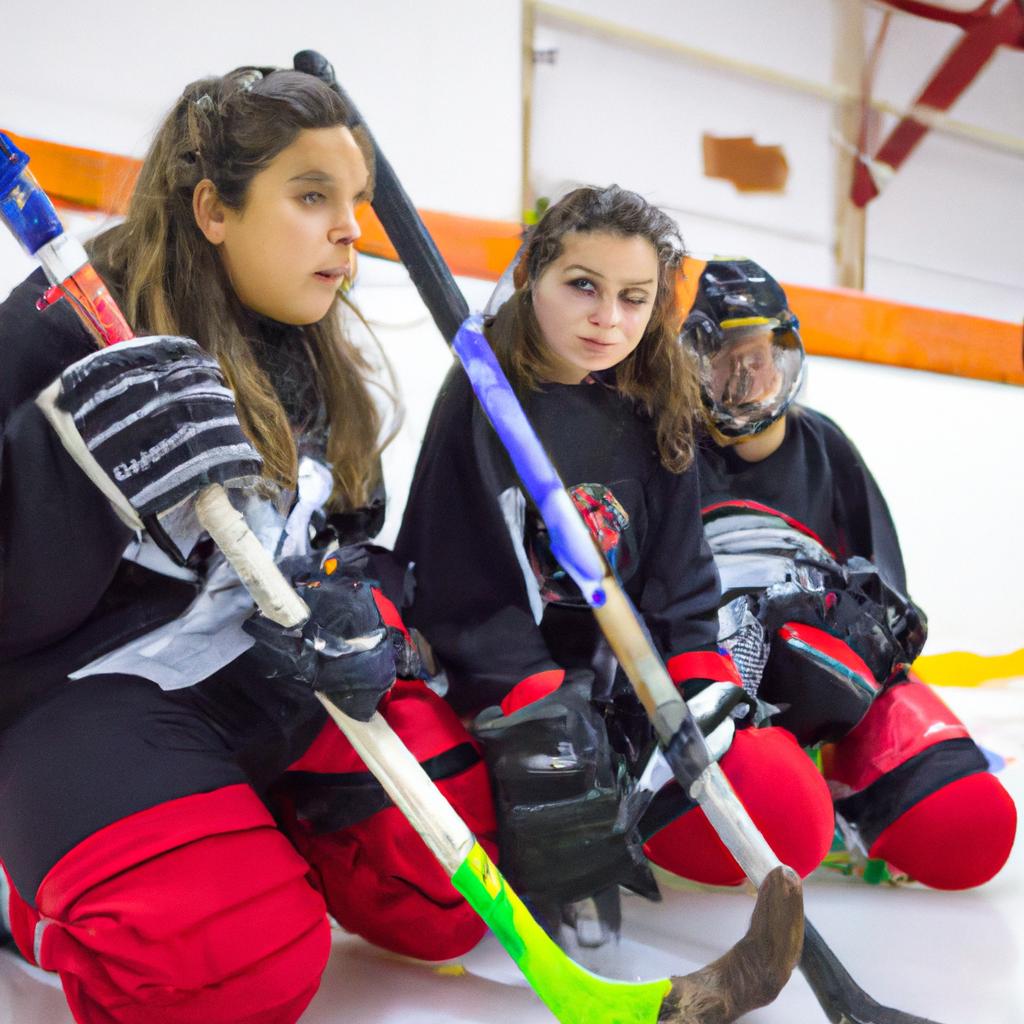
<point>748,165</point>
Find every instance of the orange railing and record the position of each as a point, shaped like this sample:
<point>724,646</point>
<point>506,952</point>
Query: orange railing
<point>834,321</point>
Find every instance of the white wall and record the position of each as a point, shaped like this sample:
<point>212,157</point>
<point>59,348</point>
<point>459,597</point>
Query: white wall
<point>439,84</point>
<point>945,232</point>
<point>605,111</point>
<point>428,77</point>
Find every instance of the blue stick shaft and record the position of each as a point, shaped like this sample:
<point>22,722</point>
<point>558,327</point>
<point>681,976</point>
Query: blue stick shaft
<point>24,207</point>
<point>571,541</point>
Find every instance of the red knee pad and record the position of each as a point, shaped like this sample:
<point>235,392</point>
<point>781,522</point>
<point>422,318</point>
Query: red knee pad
<point>955,838</point>
<point>903,722</point>
<point>382,882</point>
<point>379,878</point>
<point>423,721</point>
<point>195,910</point>
<point>784,794</point>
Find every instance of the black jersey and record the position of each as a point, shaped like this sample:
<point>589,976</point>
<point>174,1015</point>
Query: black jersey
<point>817,477</point>
<point>67,594</point>
<point>482,597</point>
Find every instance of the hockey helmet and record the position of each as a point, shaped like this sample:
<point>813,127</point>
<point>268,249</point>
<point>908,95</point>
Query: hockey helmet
<point>750,358</point>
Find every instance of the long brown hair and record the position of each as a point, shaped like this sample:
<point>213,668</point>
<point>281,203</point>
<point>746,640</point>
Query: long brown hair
<point>657,376</point>
<point>170,279</point>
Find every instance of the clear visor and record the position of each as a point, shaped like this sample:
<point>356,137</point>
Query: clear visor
<point>752,376</point>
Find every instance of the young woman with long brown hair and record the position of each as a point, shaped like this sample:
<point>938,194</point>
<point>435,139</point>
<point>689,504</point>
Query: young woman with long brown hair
<point>590,339</point>
<point>159,770</point>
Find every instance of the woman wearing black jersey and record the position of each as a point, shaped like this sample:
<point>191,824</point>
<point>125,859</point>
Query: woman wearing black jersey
<point>589,339</point>
<point>912,788</point>
<point>158,770</point>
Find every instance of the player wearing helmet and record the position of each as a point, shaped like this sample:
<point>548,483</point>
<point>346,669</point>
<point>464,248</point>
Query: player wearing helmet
<point>815,606</point>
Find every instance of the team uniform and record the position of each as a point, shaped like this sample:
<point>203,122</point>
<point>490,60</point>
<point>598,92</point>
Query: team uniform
<point>910,786</point>
<point>174,826</point>
<point>510,629</point>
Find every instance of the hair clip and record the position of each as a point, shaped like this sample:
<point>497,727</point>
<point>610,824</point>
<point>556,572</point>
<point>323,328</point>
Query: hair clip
<point>248,79</point>
<point>205,103</point>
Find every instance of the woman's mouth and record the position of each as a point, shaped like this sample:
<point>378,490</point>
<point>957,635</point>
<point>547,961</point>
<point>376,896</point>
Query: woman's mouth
<point>334,275</point>
<point>596,343</point>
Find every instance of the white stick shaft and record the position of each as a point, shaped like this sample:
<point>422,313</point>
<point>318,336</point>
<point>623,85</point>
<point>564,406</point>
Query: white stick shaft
<point>413,792</point>
<point>400,774</point>
<point>273,594</point>
<point>731,820</point>
<point>666,709</point>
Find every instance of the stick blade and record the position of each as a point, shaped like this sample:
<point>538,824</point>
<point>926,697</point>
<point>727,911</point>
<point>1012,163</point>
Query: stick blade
<point>842,999</point>
<point>754,971</point>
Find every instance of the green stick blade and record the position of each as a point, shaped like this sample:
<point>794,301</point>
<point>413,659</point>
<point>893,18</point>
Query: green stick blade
<point>574,994</point>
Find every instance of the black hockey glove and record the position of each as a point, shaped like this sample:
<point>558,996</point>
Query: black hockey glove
<point>151,421</point>
<point>344,650</point>
<point>566,814</point>
<point>879,622</point>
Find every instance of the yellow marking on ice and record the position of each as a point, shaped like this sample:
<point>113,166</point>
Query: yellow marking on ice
<point>961,668</point>
<point>450,970</point>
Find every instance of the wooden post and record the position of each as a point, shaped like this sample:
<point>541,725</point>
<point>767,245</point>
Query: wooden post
<point>848,65</point>
<point>526,196</point>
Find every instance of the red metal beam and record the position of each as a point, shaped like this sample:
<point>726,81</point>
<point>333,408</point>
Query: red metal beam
<point>960,67</point>
<point>937,12</point>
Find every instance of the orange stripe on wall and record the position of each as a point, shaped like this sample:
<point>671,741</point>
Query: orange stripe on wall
<point>471,246</point>
<point>86,178</point>
<point>834,321</point>
<point>845,323</point>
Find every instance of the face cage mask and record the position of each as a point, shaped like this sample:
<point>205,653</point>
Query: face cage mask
<point>750,372</point>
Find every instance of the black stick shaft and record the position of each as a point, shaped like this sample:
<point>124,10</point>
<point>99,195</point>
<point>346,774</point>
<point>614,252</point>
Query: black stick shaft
<point>400,219</point>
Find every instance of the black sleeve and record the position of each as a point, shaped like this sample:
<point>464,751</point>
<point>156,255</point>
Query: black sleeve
<point>471,600</point>
<point>861,509</point>
<point>60,541</point>
<point>681,591</point>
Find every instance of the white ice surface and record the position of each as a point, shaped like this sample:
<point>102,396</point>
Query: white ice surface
<point>955,957</point>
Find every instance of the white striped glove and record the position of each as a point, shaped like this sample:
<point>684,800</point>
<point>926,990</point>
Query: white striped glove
<point>152,422</point>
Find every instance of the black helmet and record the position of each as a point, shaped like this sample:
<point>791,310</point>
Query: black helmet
<point>750,358</point>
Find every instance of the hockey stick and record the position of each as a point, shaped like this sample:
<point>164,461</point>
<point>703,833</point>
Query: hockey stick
<point>841,998</point>
<point>747,976</point>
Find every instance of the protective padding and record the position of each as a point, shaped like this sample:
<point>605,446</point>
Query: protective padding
<point>532,689</point>
<point>195,910</point>
<point>905,720</point>
<point>784,794</point>
<point>379,878</point>
<point>715,665</point>
<point>956,838</point>
<point>823,686</point>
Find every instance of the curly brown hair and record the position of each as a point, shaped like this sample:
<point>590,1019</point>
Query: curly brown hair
<point>656,376</point>
<point>171,280</point>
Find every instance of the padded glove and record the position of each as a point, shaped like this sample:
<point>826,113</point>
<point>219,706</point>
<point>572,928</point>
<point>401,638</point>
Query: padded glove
<point>343,650</point>
<point>152,422</point>
<point>566,808</point>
